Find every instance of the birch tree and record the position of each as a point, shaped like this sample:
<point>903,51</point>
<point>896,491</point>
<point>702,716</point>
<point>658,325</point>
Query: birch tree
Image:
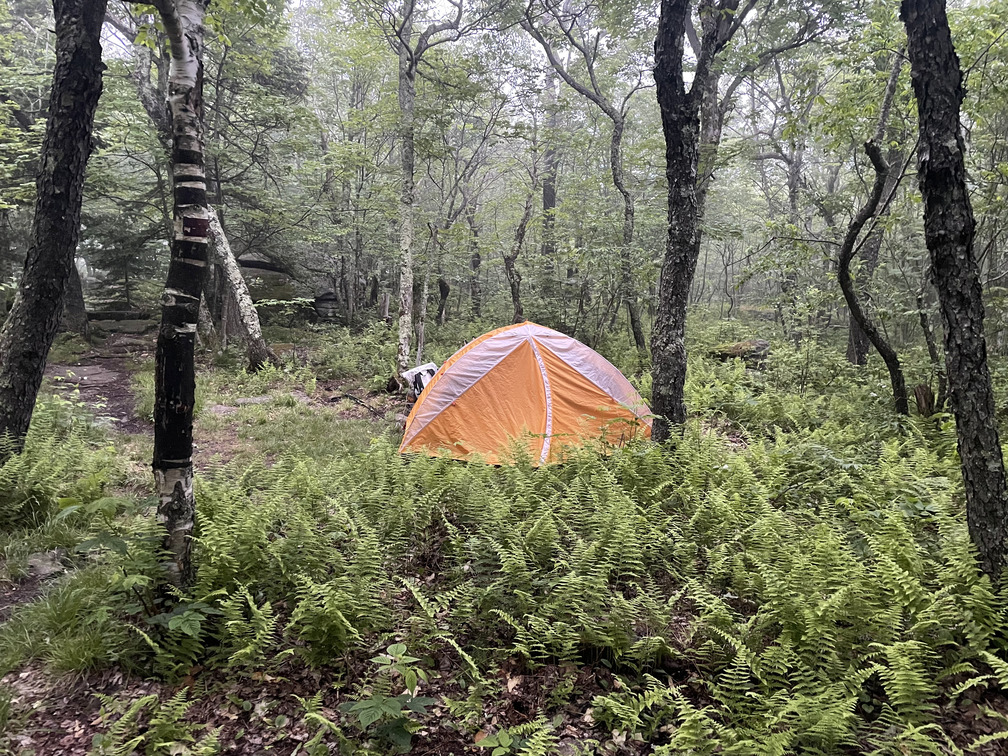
<point>152,95</point>
<point>174,369</point>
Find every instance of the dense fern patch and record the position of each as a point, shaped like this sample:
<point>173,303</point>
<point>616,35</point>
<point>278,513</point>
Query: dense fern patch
<point>792,575</point>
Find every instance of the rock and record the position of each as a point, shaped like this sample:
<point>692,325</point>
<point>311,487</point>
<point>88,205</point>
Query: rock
<point>43,564</point>
<point>241,402</point>
<point>327,305</point>
<point>753,351</point>
<point>135,327</point>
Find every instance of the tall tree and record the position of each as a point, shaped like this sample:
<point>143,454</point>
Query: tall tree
<point>174,368</point>
<point>847,250</point>
<point>30,327</point>
<point>875,208</point>
<point>949,229</point>
<point>583,35</point>
<point>680,113</point>
<point>400,23</point>
<point>857,339</point>
<point>152,95</point>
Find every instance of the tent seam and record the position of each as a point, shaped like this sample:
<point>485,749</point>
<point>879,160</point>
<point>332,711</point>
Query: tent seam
<point>549,403</point>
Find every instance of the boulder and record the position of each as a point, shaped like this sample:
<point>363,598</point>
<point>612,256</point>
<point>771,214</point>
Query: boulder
<point>753,351</point>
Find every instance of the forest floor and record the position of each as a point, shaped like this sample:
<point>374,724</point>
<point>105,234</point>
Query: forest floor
<point>351,603</point>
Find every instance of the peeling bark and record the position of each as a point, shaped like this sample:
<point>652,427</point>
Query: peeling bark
<point>949,229</point>
<point>174,367</point>
<point>407,190</point>
<point>31,325</point>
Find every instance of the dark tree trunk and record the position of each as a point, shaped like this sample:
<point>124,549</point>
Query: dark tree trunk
<point>847,250</point>
<point>680,113</point>
<point>857,339</point>
<point>510,269</point>
<point>174,368</point>
<point>74,318</point>
<point>949,230</point>
<point>627,292</point>
<point>30,327</point>
<point>444,291</point>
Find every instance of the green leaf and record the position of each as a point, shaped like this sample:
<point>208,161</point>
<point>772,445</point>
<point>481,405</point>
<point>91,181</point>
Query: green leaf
<point>188,623</point>
<point>397,650</point>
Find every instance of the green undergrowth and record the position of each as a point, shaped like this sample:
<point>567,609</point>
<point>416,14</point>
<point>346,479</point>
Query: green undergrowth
<point>791,576</point>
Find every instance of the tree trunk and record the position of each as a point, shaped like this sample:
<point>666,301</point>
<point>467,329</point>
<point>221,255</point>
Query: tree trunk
<point>174,368</point>
<point>74,318</point>
<point>857,339</point>
<point>386,301</point>
<point>475,261</point>
<point>31,326</point>
<point>680,113</point>
<point>847,249</point>
<point>444,290</point>
<point>259,352</point>
<point>510,269</point>
<point>681,127</point>
<point>627,292</point>
<point>949,229</point>
<point>407,96</point>
<point>549,185</point>
<point>206,334</point>
<point>421,323</point>
<point>933,355</point>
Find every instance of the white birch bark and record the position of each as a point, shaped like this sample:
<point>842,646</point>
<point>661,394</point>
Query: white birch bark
<point>259,352</point>
<point>407,97</point>
<point>175,380</point>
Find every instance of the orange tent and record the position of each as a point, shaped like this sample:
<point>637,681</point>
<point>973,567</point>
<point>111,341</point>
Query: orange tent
<point>529,385</point>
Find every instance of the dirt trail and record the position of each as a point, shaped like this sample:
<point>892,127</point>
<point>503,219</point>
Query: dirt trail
<point>102,378</point>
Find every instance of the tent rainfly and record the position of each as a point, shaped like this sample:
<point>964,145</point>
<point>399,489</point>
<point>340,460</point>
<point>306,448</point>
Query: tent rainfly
<point>529,385</point>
